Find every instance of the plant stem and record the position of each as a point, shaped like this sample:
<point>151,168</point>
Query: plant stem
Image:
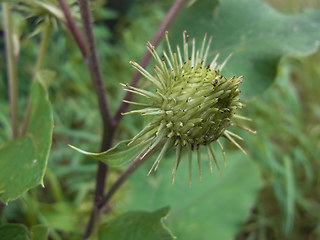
<point>100,186</point>
<point>107,119</point>
<point>72,26</point>
<point>11,67</point>
<point>172,13</point>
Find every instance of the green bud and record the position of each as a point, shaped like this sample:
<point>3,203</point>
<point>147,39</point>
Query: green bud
<point>192,106</point>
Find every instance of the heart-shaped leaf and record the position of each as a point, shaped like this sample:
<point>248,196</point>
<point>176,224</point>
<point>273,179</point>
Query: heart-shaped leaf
<point>256,34</point>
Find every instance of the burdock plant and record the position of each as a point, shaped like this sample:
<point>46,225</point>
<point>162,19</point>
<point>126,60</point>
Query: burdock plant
<point>193,104</point>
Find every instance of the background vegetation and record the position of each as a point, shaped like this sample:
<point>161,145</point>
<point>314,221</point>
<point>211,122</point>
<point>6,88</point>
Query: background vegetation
<point>271,194</point>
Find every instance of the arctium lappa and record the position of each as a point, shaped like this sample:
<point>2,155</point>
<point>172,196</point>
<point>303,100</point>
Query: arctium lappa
<point>193,104</point>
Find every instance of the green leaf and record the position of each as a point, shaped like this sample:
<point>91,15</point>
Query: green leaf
<point>14,232</point>
<point>119,154</point>
<point>20,232</point>
<point>17,160</point>
<point>24,160</point>
<point>215,208</point>
<point>257,34</point>
<point>137,225</point>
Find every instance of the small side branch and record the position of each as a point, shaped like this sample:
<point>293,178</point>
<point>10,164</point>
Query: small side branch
<point>72,26</point>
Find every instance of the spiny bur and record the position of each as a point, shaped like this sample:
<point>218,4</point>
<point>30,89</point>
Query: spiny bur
<point>193,104</point>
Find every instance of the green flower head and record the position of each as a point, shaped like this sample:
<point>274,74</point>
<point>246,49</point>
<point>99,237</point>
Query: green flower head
<point>193,104</point>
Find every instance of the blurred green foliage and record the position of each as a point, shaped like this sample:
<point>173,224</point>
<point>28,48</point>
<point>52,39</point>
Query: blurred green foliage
<point>285,149</point>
